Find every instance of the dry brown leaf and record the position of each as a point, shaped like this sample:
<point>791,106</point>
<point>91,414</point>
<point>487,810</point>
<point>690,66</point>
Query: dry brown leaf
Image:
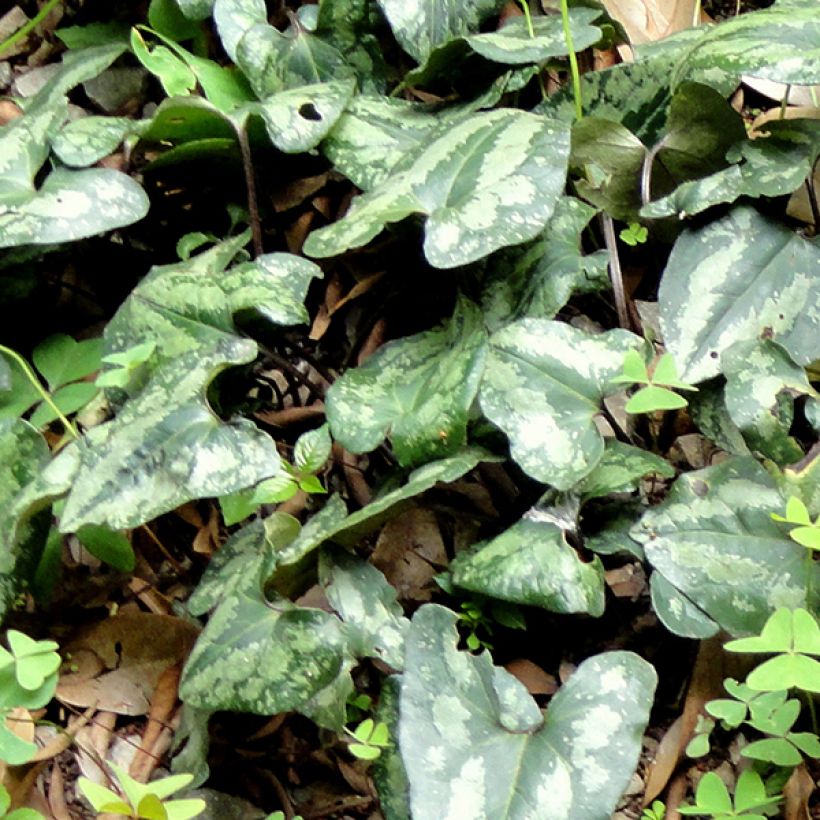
<point>706,683</point>
<point>410,552</point>
<point>321,322</point>
<point>359,289</point>
<point>534,678</point>
<point>649,20</point>
<point>628,581</point>
<point>120,660</point>
<point>297,191</point>
<point>797,792</point>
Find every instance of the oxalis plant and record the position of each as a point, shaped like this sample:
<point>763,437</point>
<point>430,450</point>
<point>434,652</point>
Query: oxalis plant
<point>512,190</point>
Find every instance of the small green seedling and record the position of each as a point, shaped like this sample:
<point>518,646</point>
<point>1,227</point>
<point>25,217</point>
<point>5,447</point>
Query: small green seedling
<point>712,798</point>
<point>794,636</point>
<point>28,679</point>
<point>657,811</point>
<point>770,713</point>
<point>370,737</point>
<point>472,617</point>
<point>698,746</point>
<point>310,453</point>
<point>805,532</point>
<point>63,363</point>
<point>142,801</point>
<point>358,705</point>
<point>656,395</point>
<point>17,814</point>
<point>34,661</point>
<point>127,365</point>
<point>280,815</point>
<point>634,234</point>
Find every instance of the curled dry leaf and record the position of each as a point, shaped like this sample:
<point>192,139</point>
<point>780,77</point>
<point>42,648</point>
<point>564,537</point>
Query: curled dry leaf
<point>120,660</point>
<point>649,20</point>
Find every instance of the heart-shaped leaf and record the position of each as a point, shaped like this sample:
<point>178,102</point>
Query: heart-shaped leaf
<point>475,744</point>
<point>761,380</point>
<point>299,119</point>
<point>417,390</point>
<point>532,563</point>
<point>543,386</point>
<point>470,212</point>
<point>176,448</point>
<point>777,43</point>
<point>739,278</point>
<point>714,540</point>
<point>73,205</point>
<point>263,656</point>
<point>367,605</point>
<point>421,25</point>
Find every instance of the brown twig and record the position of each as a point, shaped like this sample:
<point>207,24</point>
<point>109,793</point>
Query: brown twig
<point>615,273</point>
<point>250,184</point>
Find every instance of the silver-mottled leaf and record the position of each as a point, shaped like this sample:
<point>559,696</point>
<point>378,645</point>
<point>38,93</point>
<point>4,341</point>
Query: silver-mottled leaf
<point>421,25</point>
<point>677,613</point>
<point>73,205</point>
<point>475,745</point>
<point>417,390</point>
<point>532,563</point>
<point>537,280</point>
<point>366,603</point>
<point>513,44</point>
<point>781,44</point>
<point>83,142</point>
<point>234,17</point>
<point>195,10</point>
<point>543,386</point>
<point>23,454</point>
<point>274,61</point>
<point>490,181</point>
<point>166,446</point>
<point>331,524</point>
<point>376,134</point>
<point>264,656</point>
<point>714,540</point>
<point>299,119</point>
<point>761,381</point>
<point>739,278</point>
<point>620,469</point>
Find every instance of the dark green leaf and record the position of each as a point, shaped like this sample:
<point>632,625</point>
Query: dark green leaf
<point>543,386</point>
<point>739,278</point>
<point>470,214</point>
<point>714,540</point>
<point>417,390</point>
<point>532,563</point>
<point>108,545</point>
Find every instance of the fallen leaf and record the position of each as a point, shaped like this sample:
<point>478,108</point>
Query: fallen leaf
<point>121,659</point>
<point>628,581</point>
<point>797,791</point>
<point>706,683</point>
<point>649,20</point>
<point>536,680</point>
<point>410,552</point>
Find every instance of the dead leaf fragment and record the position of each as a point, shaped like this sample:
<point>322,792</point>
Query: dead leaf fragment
<point>797,792</point>
<point>628,581</point>
<point>649,20</point>
<point>534,678</point>
<point>410,552</point>
<point>120,660</point>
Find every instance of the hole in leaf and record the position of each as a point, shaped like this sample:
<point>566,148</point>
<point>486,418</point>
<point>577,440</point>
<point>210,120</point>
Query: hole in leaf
<point>308,111</point>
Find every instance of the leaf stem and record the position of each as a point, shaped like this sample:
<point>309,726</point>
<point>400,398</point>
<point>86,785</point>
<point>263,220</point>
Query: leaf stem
<point>26,28</point>
<point>45,395</point>
<point>573,61</point>
<point>250,183</point>
<point>528,17</point>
